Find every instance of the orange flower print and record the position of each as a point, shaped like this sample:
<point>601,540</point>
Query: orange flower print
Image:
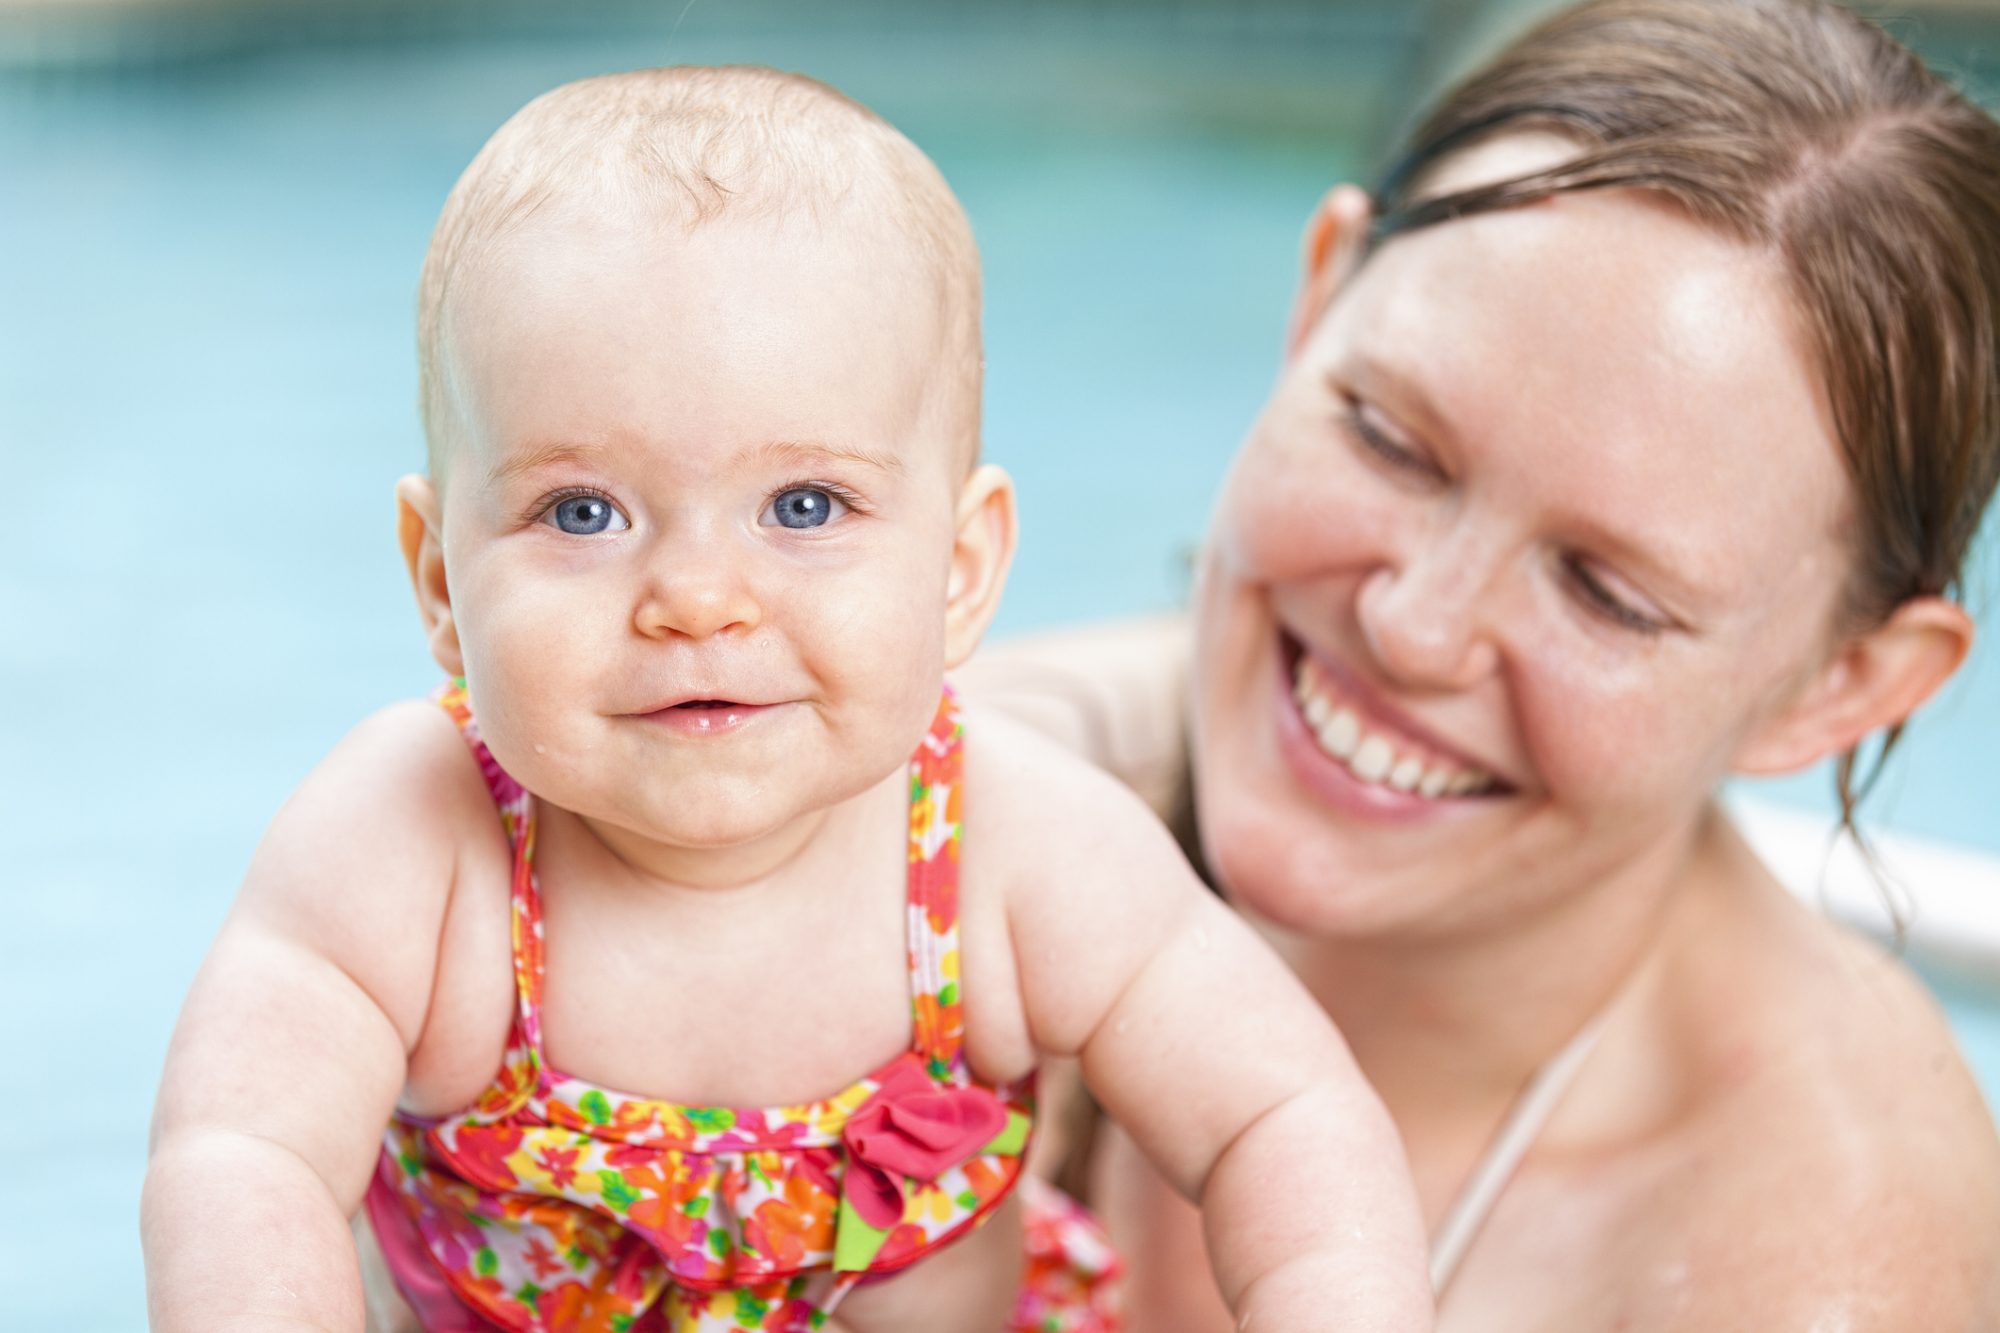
<point>785,1231</point>
<point>554,1206</point>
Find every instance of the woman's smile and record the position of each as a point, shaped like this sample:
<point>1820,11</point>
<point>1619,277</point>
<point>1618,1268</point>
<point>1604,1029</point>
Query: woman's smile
<point>1354,751</point>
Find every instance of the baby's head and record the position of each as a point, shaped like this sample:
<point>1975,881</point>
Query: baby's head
<point>663,151</point>
<point>702,526</point>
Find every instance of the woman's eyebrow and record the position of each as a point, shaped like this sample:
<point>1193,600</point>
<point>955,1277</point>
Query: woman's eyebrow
<point>1673,570</point>
<point>1386,387</point>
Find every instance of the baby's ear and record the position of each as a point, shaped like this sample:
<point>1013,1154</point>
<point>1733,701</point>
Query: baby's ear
<point>420,529</point>
<point>980,556</point>
<point>1872,682</point>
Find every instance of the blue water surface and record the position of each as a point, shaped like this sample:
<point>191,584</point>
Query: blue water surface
<point>206,394</point>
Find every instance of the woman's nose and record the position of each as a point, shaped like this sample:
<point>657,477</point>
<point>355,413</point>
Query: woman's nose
<point>1427,616</point>
<point>696,589</point>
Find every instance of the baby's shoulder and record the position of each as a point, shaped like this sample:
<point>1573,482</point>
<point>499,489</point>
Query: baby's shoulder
<point>405,764</point>
<point>1020,782</point>
<point>383,821</point>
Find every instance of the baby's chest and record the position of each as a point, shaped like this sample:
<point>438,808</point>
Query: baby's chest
<point>727,1014</point>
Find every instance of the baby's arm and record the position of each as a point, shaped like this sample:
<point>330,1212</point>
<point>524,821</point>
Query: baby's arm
<point>1200,1042</point>
<point>291,1048</point>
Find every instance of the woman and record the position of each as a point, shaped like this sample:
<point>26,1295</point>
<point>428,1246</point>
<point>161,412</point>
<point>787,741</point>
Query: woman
<point>1633,439</point>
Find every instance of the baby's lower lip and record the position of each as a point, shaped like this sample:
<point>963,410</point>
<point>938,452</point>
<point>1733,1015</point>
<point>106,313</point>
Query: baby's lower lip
<point>706,717</point>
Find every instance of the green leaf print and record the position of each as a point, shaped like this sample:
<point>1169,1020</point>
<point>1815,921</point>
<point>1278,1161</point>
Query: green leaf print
<point>528,1294</point>
<point>615,1191</point>
<point>486,1263</point>
<point>622,1323</point>
<point>856,1241</point>
<point>718,1240</point>
<point>750,1311</point>
<point>948,993</point>
<point>596,1107</point>
<point>711,1119</point>
<point>697,1206</point>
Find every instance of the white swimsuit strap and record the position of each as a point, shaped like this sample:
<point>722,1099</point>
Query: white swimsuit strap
<point>1524,1123</point>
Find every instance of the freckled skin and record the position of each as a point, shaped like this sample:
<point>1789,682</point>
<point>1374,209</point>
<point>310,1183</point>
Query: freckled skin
<point>1774,1132</point>
<point>1680,415</point>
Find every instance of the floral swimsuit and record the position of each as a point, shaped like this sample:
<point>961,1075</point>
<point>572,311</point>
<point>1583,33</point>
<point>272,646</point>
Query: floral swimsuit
<point>553,1204</point>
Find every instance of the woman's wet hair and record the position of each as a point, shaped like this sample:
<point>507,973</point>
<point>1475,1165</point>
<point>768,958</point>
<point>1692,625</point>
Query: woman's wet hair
<point>1798,127</point>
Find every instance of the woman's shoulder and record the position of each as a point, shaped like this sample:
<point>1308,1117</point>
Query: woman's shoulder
<point>1830,1120</point>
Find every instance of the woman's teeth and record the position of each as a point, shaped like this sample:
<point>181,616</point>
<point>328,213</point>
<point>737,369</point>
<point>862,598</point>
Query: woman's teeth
<point>1377,758</point>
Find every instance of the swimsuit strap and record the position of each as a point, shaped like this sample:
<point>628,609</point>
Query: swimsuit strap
<point>937,1023</point>
<point>517,816</point>
<point>936,771</point>
<point>1525,1121</point>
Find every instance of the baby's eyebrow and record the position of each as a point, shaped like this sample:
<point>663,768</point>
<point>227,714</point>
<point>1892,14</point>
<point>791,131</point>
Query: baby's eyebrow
<point>544,455</point>
<point>800,453</point>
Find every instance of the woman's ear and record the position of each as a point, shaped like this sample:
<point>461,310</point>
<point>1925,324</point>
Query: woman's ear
<point>980,556</point>
<point>1336,239</point>
<point>1873,681</point>
<point>420,529</point>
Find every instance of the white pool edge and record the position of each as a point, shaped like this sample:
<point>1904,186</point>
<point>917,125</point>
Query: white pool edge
<point>1948,895</point>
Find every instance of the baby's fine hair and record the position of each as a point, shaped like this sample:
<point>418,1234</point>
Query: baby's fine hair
<point>689,145</point>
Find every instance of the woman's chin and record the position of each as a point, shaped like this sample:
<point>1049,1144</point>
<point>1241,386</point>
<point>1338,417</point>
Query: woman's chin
<point>1307,880</point>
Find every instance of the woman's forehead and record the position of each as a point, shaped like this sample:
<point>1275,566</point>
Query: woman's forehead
<point>1617,363</point>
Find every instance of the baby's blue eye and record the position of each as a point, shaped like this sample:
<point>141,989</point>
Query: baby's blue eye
<point>803,507</point>
<point>586,516</point>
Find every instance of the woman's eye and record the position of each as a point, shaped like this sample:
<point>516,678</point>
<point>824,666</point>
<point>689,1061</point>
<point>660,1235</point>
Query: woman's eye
<point>803,507</point>
<point>1385,446</point>
<point>586,516</point>
<point>1602,600</point>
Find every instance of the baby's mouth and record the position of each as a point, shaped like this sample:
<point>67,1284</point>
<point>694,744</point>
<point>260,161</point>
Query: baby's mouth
<point>1374,751</point>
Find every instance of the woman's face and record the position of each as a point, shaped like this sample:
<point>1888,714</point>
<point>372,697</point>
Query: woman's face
<point>1540,529</point>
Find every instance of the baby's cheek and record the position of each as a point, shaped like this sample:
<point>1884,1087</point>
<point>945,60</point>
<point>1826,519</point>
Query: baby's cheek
<point>877,633</point>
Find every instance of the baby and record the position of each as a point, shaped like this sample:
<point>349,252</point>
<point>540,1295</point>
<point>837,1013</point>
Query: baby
<point>703,529</point>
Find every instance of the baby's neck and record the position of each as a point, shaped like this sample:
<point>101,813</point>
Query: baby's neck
<point>795,850</point>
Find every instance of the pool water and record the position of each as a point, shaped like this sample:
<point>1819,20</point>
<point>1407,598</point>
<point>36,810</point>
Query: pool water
<point>206,393</point>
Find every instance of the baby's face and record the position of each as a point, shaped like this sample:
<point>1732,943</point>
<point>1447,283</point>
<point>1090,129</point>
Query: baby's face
<point>697,528</point>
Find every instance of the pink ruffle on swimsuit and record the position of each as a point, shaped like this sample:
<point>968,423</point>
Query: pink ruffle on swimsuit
<point>553,1204</point>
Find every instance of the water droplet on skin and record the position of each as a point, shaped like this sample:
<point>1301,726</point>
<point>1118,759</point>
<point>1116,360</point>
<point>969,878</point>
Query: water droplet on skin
<point>540,748</point>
